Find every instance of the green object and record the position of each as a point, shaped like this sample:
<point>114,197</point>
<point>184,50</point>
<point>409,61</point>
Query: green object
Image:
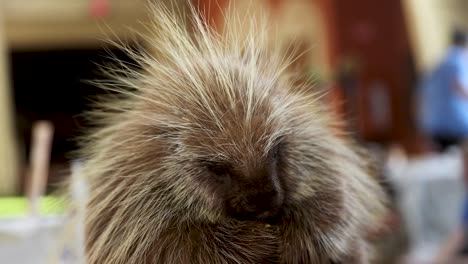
<point>18,206</point>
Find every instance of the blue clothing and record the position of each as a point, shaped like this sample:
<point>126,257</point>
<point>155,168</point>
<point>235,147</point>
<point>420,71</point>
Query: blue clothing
<point>465,213</point>
<point>444,110</point>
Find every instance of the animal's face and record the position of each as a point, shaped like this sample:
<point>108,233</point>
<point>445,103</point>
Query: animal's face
<point>251,187</point>
<point>242,147</point>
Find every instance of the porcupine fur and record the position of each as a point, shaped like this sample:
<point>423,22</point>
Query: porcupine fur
<point>210,158</point>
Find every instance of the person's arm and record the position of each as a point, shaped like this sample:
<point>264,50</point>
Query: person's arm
<point>448,251</point>
<point>460,88</point>
<point>457,80</point>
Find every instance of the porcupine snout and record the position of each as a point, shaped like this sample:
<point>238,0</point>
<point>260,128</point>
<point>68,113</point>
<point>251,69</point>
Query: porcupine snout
<point>255,193</point>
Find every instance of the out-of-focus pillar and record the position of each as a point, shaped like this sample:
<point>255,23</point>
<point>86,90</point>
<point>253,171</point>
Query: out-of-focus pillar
<point>430,23</point>
<point>8,147</point>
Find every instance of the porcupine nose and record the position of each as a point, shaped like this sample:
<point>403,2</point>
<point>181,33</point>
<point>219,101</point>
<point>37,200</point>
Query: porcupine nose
<point>261,196</point>
<point>264,204</point>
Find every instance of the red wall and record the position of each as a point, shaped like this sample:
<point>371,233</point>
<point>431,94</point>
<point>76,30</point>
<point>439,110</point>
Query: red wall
<point>375,33</point>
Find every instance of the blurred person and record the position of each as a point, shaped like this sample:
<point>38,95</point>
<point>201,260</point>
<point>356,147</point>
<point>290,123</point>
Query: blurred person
<point>444,118</point>
<point>444,105</point>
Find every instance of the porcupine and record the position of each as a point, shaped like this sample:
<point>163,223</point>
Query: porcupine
<point>214,156</point>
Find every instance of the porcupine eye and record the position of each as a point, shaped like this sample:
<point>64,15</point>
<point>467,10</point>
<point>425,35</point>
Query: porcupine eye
<point>220,170</point>
<point>276,152</point>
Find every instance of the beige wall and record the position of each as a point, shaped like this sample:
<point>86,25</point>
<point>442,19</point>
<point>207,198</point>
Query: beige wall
<point>302,20</point>
<point>297,20</point>
<point>430,23</point>
<point>8,156</point>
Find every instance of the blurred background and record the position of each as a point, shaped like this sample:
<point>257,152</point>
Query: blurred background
<point>371,55</point>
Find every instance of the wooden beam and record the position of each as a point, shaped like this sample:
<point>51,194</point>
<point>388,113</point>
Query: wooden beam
<point>9,180</point>
<point>49,24</point>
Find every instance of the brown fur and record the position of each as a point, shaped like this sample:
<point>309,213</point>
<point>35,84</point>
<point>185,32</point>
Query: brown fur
<point>213,160</point>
